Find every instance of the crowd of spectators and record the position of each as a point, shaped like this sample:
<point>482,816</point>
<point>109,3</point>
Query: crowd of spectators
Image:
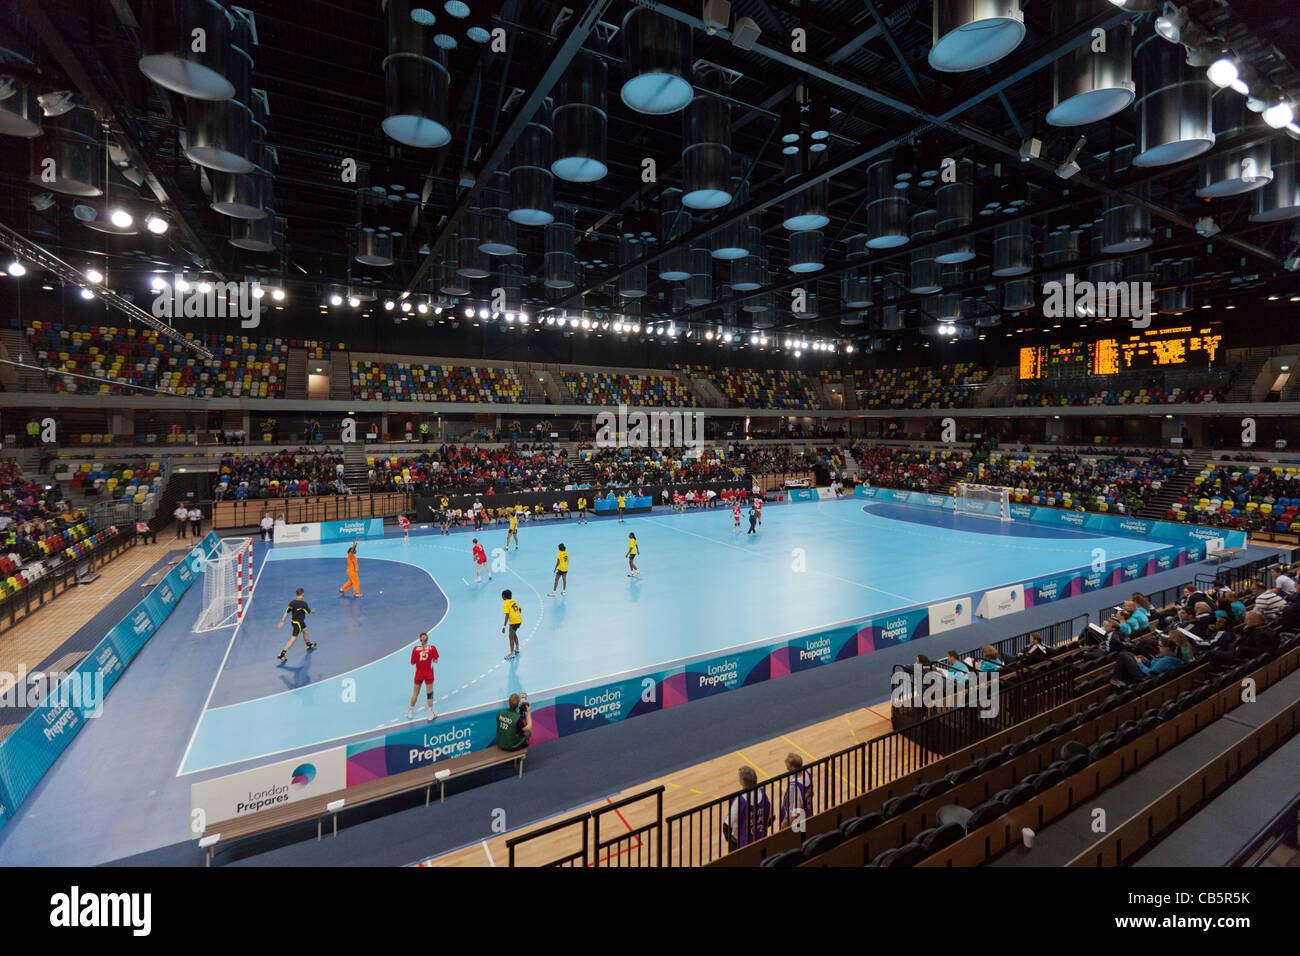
<point>1121,480</point>
<point>280,474</point>
<point>469,468</point>
<point>1250,497</point>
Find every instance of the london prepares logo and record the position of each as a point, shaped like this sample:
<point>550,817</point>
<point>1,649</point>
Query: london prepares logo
<point>302,775</point>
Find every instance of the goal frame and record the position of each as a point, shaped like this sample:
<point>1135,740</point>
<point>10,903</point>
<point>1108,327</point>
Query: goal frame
<point>227,584</point>
<point>987,491</point>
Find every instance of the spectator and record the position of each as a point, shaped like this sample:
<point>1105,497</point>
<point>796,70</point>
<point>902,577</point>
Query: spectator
<point>1036,651</point>
<point>1256,638</point>
<point>1268,601</point>
<point>797,803</point>
<point>1130,669</point>
<point>144,534</point>
<point>749,815</point>
<point>514,728</point>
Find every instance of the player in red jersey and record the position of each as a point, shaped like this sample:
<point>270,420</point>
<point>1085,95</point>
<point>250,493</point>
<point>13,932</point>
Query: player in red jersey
<point>405,522</point>
<point>480,562</point>
<point>423,655</point>
<point>735,519</point>
<point>758,506</point>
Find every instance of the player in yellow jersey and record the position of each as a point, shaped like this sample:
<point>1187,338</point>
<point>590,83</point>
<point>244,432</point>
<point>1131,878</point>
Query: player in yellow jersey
<point>561,570</point>
<point>514,617</point>
<point>632,551</point>
<point>514,530</point>
<point>582,511</point>
<point>621,501</point>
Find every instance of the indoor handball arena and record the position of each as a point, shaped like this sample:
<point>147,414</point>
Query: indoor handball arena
<point>659,434</point>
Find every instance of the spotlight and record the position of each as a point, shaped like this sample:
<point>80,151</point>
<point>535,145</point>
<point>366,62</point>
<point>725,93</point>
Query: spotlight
<point>336,299</point>
<point>277,295</point>
<point>406,307</point>
<point>1207,227</point>
<point>156,224</point>
<point>523,318</point>
<point>1071,166</point>
<point>388,305</point>
<point>1279,114</point>
<point>483,313</point>
<point>1172,22</point>
<point>469,312</point>
<point>157,283</point>
<point>206,287</point>
<point>586,324</point>
<point>353,302</point>
<point>422,308</point>
<point>120,218</point>
<point>94,275</point>
<point>258,292</point>
<point>16,268</point>
<point>1222,72</point>
<point>87,294</point>
<point>437,310</point>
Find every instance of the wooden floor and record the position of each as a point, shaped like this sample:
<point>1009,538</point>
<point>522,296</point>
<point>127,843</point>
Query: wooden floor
<point>39,634</point>
<point>684,789</point>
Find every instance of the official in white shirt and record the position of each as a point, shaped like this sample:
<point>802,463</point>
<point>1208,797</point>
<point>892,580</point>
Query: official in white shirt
<point>267,525</point>
<point>182,515</point>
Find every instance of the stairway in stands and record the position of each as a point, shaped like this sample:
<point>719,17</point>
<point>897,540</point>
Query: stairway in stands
<point>1175,487</point>
<point>341,380</point>
<point>356,471</point>
<point>1243,386</point>
<point>295,375</point>
<point>17,349</point>
<point>583,473</point>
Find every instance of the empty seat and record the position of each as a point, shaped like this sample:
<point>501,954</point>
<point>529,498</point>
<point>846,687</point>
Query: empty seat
<point>781,860</point>
<point>823,842</point>
<point>896,805</point>
<point>859,825</point>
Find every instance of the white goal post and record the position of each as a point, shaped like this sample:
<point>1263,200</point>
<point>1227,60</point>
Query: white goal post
<point>983,501</point>
<point>227,581</point>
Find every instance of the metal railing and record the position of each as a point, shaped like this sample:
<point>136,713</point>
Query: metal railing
<point>641,845</point>
<point>247,513</point>
<point>1239,577</point>
<point>36,595</point>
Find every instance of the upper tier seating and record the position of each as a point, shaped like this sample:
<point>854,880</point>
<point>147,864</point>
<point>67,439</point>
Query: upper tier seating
<point>414,382</point>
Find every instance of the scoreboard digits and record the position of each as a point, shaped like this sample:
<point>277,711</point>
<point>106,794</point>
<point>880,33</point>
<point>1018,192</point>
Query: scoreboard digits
<point>1163,348</point>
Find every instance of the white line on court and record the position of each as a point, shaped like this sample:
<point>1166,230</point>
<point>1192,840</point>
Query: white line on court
<point>488,853</point>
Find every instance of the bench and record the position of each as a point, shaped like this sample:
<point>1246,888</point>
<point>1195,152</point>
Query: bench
<point>1223,555</point>
<point>331,804</point>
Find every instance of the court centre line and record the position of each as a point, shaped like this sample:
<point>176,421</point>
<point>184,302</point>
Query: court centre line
<point>491,862</point>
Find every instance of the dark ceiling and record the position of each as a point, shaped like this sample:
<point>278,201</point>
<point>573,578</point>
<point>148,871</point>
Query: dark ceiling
<point>321,67</point>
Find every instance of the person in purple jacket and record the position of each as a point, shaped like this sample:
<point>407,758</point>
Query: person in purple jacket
<point>797,803</point>
<point>749,816</point>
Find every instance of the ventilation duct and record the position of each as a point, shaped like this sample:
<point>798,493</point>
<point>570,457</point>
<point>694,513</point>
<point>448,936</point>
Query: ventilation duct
<point>220,136</point>
<point>20,112</point>
<point>1174,122</point>
<point>970,34</point>
<point>925,271</point>
<point>948,307</point>
<point>580,122</point>
<point>807,253</point>
<point>632,284</point>
<point>748,274</point>
<point>497,232</point>
<point>736,239</point>
<point>241,197</point>
<point>453,282</point>
<point>853,318</point>
<point>74,146</point>
<point>988,321</point>
<point>891,320</point>
<point>473,263</point>
<point>257,235</point>
<point>656,63</point>
<point>167,36</point>
<point>887,210</point>
<point>532,184</point>
<point>1089,86</point>
<point>416,83</point>
<point>1175,296</point>
<point>1013,249</point>
<point>1138,269</point>
<point>706,161</point>
<point>675,222</point>
<point>809,310</point>
<point>1241,170</point>
<point>699,284</point>
<point>855,285</point>
<point>1125,228</point>
<point>1018,296</point>
<point>1059,248</point>
<point>559,262</point>
<point>956,201</point>
<point>757,303</point>
<point>1280,199</point>
<point>806,209</point>
<point>374,247</point>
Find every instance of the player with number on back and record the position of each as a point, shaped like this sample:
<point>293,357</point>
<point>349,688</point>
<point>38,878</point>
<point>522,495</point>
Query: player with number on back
<point>423,655</point>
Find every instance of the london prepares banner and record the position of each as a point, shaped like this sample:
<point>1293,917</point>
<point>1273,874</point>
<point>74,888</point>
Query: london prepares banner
<point>235,795</point>
<point>28,752</point>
